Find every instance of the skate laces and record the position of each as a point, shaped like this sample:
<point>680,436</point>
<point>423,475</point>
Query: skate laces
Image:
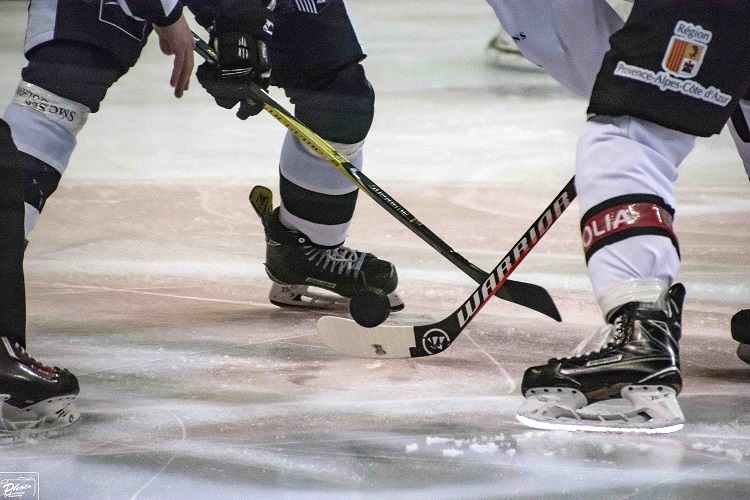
<point>613,333</point>
<point>602,338</point>
<point>339,260</point>
<point>17,351</point>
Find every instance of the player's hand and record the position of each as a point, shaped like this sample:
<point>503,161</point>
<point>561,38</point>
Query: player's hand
<point>177,40</point>
<point>239,37</point>
<point>242,60</point>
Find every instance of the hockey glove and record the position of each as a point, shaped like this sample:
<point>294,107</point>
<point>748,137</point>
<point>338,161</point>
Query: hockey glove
<point>239,36</point>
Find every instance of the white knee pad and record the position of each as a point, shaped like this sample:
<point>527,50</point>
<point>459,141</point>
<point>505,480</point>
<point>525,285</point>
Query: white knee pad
<point>44,125</point>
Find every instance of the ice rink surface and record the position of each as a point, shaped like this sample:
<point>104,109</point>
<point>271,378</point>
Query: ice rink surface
<point>145,278</point>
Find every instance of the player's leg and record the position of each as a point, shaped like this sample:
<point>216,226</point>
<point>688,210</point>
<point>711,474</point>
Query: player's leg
<point>742,141</point>
<point>624,177</point>
<point>76,50</point>
<point>315,58</point>
<point>12,292</point>
<point>61,84</point>
<point>627,161</point>
<point>34,398</point>
<point>740,129</point>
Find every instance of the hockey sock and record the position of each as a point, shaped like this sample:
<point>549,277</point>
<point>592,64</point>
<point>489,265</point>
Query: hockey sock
<point>12,291</point>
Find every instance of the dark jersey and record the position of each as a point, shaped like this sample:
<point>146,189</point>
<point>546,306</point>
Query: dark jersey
<point>680,64</point>
<point>121,27</point>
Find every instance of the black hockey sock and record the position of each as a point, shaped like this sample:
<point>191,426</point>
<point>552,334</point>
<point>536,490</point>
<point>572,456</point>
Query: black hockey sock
<point>12,242</point>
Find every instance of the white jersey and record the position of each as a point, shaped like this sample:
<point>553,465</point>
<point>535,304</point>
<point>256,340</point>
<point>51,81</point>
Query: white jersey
<point>568,38</point>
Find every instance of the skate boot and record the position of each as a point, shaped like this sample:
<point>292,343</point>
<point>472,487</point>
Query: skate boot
<point>638,361</point>
<point>35,400</point>
<point>297,267</point>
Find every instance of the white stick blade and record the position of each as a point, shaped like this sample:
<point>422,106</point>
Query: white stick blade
<point>347,337</point>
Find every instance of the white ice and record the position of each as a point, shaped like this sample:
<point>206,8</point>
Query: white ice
<point>145,278</point>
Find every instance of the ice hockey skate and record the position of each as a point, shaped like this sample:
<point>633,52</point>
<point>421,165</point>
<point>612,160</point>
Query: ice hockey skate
<point>637,361</point>
<point>35,400</point>
<point>305,275</point>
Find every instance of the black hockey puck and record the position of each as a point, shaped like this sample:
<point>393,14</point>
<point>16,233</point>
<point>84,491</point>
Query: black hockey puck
<point>741,326</point>
<point>369,307</point>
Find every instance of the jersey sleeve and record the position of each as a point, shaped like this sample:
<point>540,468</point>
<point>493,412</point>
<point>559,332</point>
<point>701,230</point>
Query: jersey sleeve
<point>159,12</point>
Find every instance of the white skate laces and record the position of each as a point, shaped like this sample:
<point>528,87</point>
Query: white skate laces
<point>651,290</point>
<point>603,337</point>
<point>611,334</point>
<point>340,260</point>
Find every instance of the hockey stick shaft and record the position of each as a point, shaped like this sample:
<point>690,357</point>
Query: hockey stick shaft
<point>384,341</point>
<point>526,294</point>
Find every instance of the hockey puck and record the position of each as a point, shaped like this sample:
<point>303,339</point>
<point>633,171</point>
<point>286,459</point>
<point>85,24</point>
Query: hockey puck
<point>740,326</point>
<point>743,352</point>
<point>369,307</point>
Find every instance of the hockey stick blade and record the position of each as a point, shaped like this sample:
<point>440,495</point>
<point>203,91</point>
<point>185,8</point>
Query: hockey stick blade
<point>528,295</point>
<point>385,341</point>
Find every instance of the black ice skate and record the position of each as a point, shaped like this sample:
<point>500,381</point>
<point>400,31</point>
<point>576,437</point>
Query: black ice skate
<point>639,362</point>
<point>297,267</point>
<point>35,400</point>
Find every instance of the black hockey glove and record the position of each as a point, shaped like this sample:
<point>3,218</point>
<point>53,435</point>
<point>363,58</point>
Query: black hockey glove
<point>239,36</point>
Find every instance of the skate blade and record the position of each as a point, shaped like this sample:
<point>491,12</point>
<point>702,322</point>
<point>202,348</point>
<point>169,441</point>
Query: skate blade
<point>653,410</point>
<point>304,296</point>
<point>45,419</point>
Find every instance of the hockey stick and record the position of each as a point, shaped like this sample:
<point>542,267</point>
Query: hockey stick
<point>528,295</point>
<point>383,341</point>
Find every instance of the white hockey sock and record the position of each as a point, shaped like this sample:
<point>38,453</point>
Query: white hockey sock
<point>303,167</point>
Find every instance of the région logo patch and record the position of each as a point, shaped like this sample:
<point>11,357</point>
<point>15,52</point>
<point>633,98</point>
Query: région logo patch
<point>682,60</point>
<point>686,50</point>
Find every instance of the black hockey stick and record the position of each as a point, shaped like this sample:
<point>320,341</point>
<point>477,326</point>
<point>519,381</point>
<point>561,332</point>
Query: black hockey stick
<point>528,295</point>
<point>384,341</point>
